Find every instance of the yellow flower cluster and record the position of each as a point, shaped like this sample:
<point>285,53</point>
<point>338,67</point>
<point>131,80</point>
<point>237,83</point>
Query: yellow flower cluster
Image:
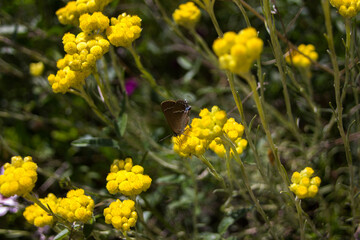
<point>95,22</point>
<point>82,53</point>
<point>234,132</point>
<point>74,9</point>
<point>205,133</point>
<point>347,8</point>
<point>124,30</point>
<point>19,177</point>
<point>121,215</point>
<point>303,185</point>
<point>299,60</point>
<point>76,206</point>
<point>37,216</point>
<point>127,179</point>
<point>187,15</point>
<point>36,69</point>
<point>237,52</point>
<point>195,140</point>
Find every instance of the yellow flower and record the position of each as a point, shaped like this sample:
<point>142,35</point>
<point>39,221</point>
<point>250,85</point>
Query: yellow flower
<point>68,14</point>
<point>83,51</point>
<point>121,215</point>
<point>303,185</point>
<point>237,52</point>
<point>127,179</point>
<point>124,30</point>
<point>347,8</point>
<point>298,60</point>
<point>37,216</point>
<point>36,69</point>
<point>19,177</point>
<point>74,9</point>
<point>187,15</point>
<point>76,206</point>
<point>205,133</point>
<point>95,22</point>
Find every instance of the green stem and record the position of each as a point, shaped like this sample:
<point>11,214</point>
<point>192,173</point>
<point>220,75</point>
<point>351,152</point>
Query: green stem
<point>300,217</point>
<point>104,93</point>
<point>117,69</point>
<point>209,8</point>
<point>242,10</point>
<point>338,97</point>
<point>208,53</point>
<point>212,169</point>
<point>279,59</point>
<point>247,184</point>
<point>146,74</point>
<point>240,108</point>
<point>252,83</point>
<point>92,105</point>
<point>196,202</point>
<point>141,217</point>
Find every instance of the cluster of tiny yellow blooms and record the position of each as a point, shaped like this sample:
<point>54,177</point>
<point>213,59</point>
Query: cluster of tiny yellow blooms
<point>121,215</point>
<point>82,51</point>
<point>205,133</point>
<point>234,132</point>
<point>76,206</point>
<point>299,60</point>
<point>195,139</point>
<point>39,217</point>
<point>303,185</point>
<point>36,69</point>
<point>347,8</point>
<point>127,179</point>
<point>74,9</point>
<point>187,15</point>
<point>19,177</point>
<point>95,22</point>
<point>124,30</point>
<point>237,52</point>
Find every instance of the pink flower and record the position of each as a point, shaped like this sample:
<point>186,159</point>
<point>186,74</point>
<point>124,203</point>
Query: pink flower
<point>130,85</point>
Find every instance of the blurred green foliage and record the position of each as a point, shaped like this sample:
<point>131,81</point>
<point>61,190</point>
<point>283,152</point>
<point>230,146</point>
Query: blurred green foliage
<point>34,121</point>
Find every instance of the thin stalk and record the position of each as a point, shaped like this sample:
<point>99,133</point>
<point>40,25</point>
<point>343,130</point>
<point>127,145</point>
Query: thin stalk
<point>117,68</point>
<point>92,105</point>
<point>196,200</point>
<point>146,74</point>
<point>104,94</point>
<point>300,217</point>
<point>252,83</point>
<point>209,8</point>
<point>212,169</point>
<point>240,108</point>
<point>338,97</point>
<point>308,95</point>
<point>141,217</point>
<point>247,184</point>
<point>112,97</point>
<point>242,10</point>
<point>210,55</point>
<point>279,58</point>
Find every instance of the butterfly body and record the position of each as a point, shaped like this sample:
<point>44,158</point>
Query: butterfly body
<point>176,114</point>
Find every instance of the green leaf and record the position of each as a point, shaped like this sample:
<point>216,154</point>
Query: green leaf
<point>225,223</point>
<point>209,236</point>
<point>61,235</point>
<point>95,142</point>
<point>122,122</point>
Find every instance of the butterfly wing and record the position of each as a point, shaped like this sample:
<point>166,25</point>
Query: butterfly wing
<point>176,114</point>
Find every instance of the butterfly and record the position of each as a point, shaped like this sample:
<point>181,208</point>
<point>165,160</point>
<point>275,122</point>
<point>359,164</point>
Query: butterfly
<point>176,114</point>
